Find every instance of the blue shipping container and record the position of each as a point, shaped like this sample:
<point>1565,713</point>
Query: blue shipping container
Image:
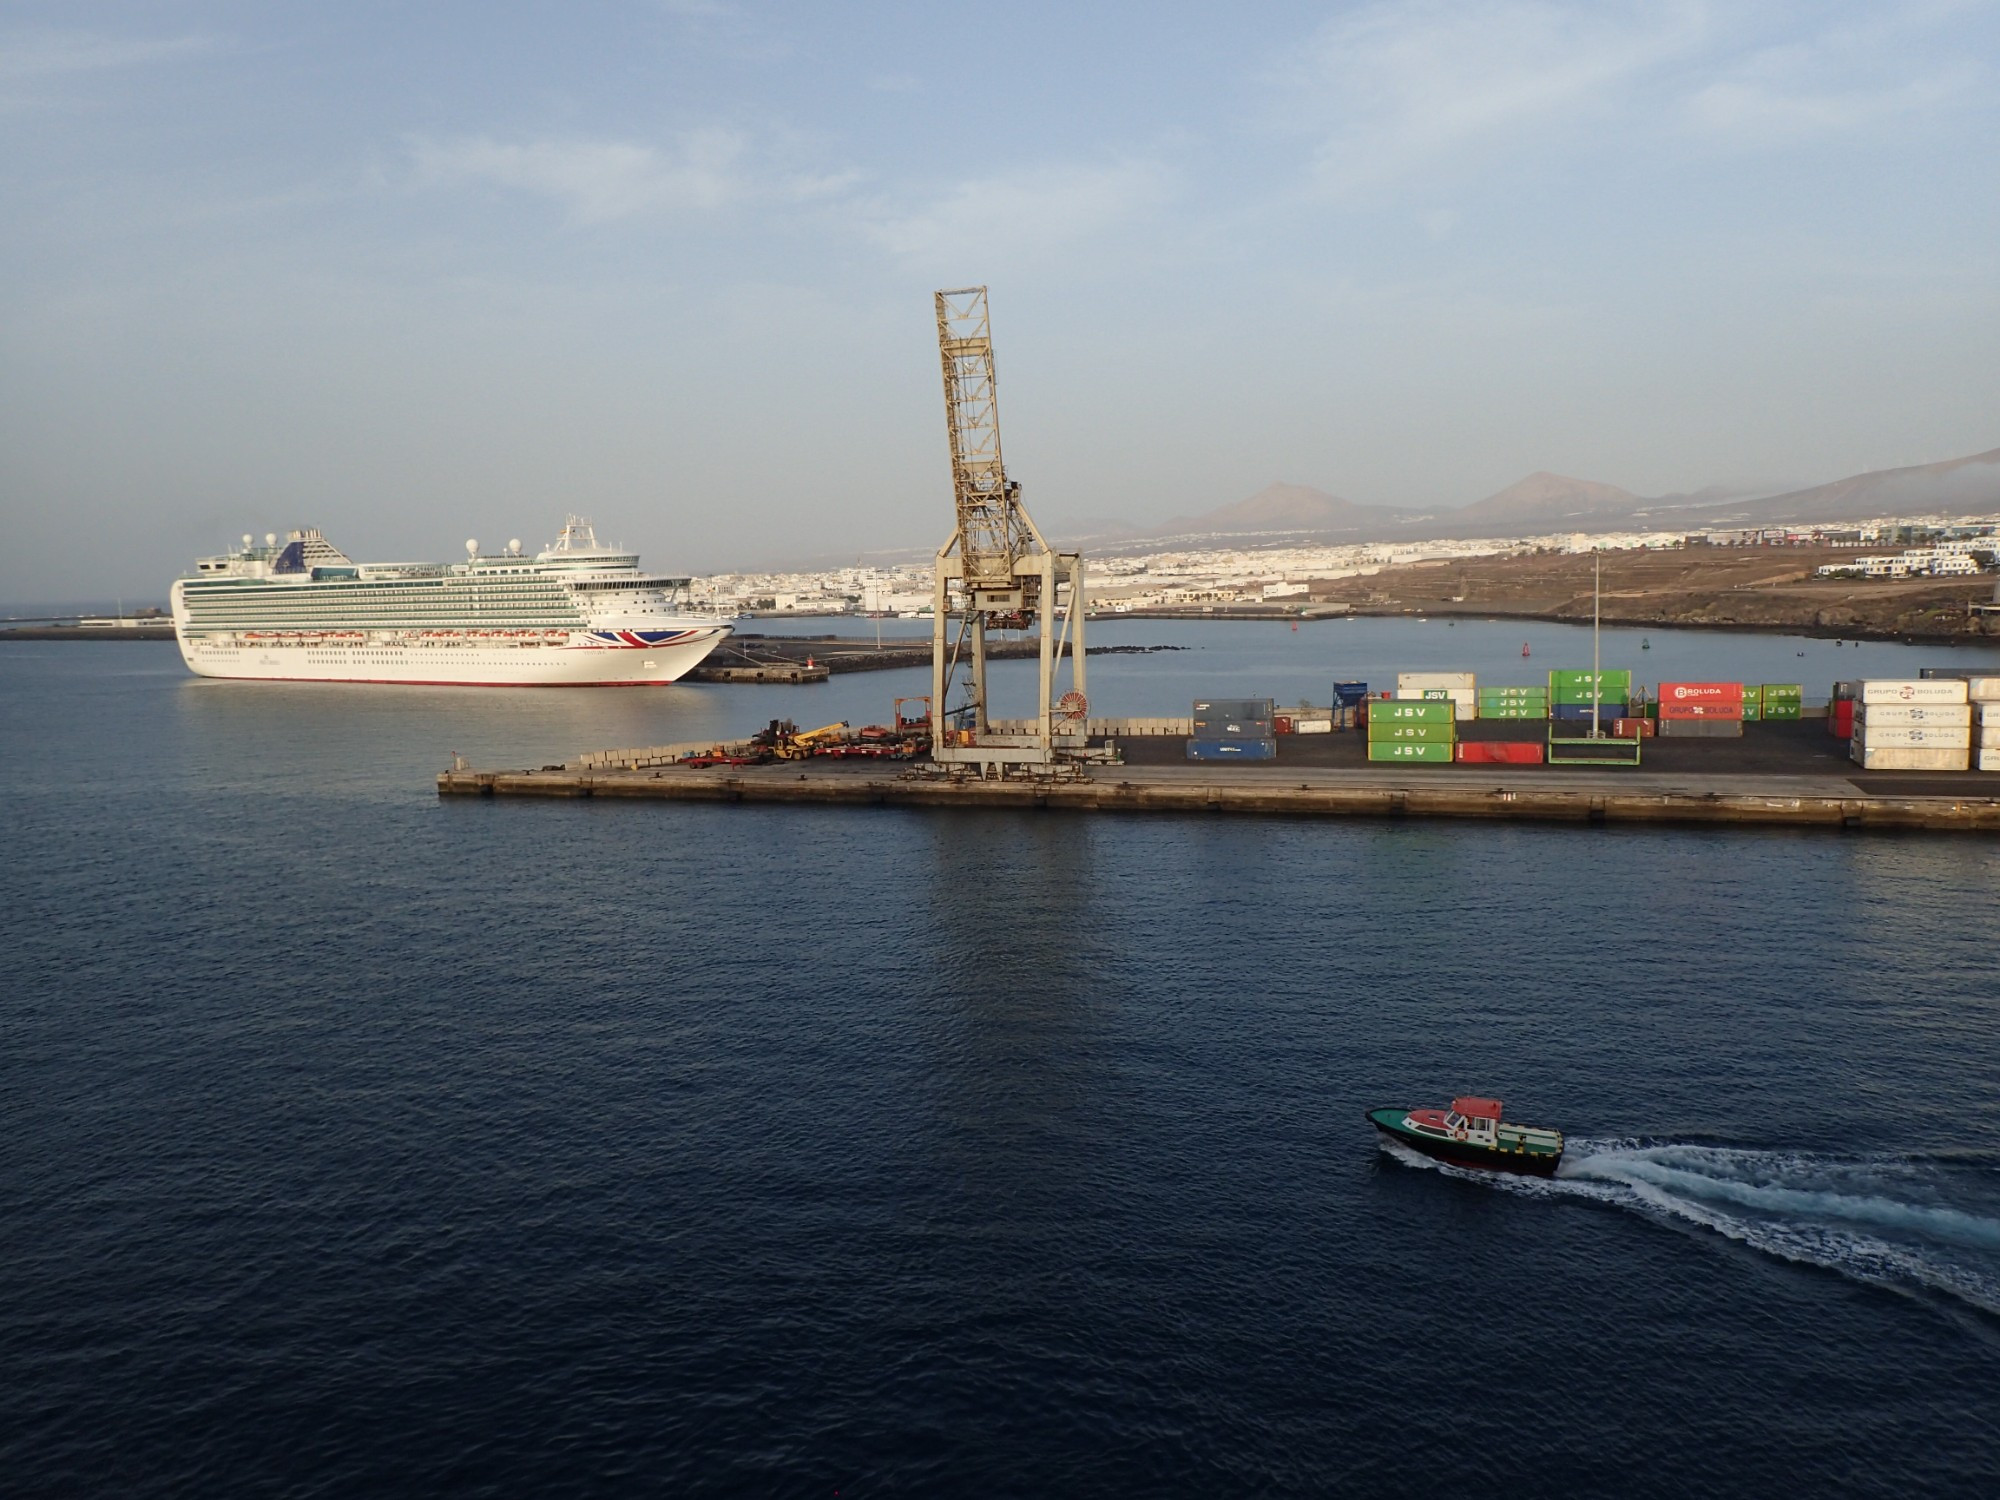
<point>1232,749</point>
<point>1580,712</point>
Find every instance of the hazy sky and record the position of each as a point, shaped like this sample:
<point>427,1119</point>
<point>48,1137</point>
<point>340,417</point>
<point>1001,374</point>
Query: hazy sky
<point>419,272</point>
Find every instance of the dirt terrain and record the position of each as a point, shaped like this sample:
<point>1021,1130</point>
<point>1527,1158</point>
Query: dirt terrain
<point>1739,588</point>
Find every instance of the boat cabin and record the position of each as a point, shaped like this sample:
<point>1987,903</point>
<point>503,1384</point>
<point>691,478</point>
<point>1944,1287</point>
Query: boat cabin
<point>1478,1118</point>
<point>1474,1121</point>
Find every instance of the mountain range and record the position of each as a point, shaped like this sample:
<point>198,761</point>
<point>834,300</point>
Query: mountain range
<point>1557,502</point>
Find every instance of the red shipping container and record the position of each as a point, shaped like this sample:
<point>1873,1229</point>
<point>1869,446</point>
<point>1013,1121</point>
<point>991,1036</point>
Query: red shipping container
<point>1632,729</point>
<point>1501,752</point>
<point>1670,710</point>
<point>1701,692</point>
<point>1281,724</point>
<point>1840,718</point>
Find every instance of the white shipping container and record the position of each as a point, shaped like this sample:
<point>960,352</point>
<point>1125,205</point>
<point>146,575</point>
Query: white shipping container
<point>1422,680</point>
<point>1986,760</point>
<point>1910,758</point>
<point>1957,714</point>
<point>1983,690</point>
<point>1903,736</point>
<point>1913,690</point>
<point>1987,736</point>
<point>1312,726</point>
<point>1986,713</point>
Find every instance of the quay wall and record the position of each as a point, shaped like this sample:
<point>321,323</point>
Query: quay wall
<point>1731,802</point>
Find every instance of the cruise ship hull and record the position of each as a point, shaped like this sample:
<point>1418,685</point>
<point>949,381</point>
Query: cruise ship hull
<point>594,658</point>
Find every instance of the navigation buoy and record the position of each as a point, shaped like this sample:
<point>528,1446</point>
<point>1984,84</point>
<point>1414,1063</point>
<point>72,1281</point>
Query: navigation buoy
<point>1524,649</point>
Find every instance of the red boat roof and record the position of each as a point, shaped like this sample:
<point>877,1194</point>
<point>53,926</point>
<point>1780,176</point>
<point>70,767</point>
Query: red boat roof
<point>1478,1109</point>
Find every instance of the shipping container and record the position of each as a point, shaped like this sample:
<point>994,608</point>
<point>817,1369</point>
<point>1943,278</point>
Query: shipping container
<point>1783,711</point>
<point>1408,712</point>
<point>1987,760</point>
<point>1514,711</point>
<point>1901,736</point>
<point>1581,712</point>
<point>1607,682</point>
<point>1908,758</point>
<point>1846,692</point>
<point>1913,690</point>
<point>1248,749</point>
<point>1685,709</point>
<point>1500,752</point>
<point>1632,729</point>
<point>1752,712</point>
<point>1913,713</point>
<point>1421,680</point>
<point>1987,736</point>
<point>1840,717</point>
<point>1312,726</point>
<point>1701,729</point>
<point>1388,729</point>
<point>1701,694</point>
<point>1434,752</point>
<point>1536,690</point>
<point>1983,689</point>
<point>1783,692</point>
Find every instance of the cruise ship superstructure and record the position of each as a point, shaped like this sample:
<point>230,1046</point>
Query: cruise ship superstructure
<point>574,614</point>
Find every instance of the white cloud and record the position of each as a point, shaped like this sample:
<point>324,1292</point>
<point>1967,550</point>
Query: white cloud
<point>1394,89</point>
<point>600,180</point>
<point>1024,213</point>
<point>48,54</point>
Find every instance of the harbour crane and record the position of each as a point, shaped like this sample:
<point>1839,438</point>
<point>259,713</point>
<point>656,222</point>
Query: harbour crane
<point>996,572</point>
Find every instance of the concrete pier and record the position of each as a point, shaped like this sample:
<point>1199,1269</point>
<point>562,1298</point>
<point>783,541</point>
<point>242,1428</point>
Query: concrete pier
<point>1488,793</point>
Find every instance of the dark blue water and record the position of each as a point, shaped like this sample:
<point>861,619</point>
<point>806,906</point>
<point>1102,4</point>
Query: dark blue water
<point>362,1143</point>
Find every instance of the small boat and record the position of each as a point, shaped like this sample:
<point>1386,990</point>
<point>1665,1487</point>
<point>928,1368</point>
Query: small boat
<point>1472,1134</point>
<point>1644,644</point>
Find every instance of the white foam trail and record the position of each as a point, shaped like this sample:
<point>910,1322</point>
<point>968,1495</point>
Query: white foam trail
<point>1954,1226</point>
<point>1881,1222</point>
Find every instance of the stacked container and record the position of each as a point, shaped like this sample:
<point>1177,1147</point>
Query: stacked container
<point>1912,724</point>
<point>1233,729</point>
<point>1514,702</point>
<point>1840,711</point>
<point>1457,687</point>
<point>1572,695</point>
<point>1412,729</point>
<point>1783,700</point>
<point>1701,710</point>
<point>1985,695</point>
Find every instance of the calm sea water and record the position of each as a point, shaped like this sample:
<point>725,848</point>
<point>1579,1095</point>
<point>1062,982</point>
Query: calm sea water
<point>363,1143</point>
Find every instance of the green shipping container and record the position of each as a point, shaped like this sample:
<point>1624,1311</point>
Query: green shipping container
<point>1514,711</point>
<point>1783,692</point>
<point>1409,711</point>
<point>1612,685</point>
<point>1536,690</point>
<point>1784,710</point>
<point>1752,711</point>
<point>1407,750</point>
<point>1428,734</point>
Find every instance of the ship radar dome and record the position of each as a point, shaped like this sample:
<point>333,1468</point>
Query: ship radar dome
<point>514,545</point>
<point>248,539</point>
<point>471,547</point>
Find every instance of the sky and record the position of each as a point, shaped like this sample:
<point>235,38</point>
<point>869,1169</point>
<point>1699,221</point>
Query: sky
<point>420,273</point>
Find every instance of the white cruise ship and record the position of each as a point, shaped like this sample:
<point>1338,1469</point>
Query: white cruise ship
<point>575,614</point>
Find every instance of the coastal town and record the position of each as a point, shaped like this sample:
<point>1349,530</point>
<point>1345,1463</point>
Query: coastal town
<point>1198,575</point>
